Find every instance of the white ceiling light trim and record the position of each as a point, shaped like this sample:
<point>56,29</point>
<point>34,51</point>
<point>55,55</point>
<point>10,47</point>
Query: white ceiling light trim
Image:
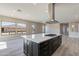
<point>34,4</point>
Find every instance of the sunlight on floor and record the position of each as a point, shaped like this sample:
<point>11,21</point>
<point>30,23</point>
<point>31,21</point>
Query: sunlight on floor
<point>3,45</point>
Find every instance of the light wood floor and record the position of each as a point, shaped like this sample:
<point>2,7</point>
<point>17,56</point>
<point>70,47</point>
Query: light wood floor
<point>69,47</point>
<point>14,47</point>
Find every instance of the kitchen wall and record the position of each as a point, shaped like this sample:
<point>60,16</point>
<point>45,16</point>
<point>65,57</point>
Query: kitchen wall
<point>39,27</point>
<point>53,28</point>
<point>74,29</point>
<point>29,28</point>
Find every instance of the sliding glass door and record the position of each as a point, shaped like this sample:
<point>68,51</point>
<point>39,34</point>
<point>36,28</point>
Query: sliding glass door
<point>8,28</point>
<point>21,28</point>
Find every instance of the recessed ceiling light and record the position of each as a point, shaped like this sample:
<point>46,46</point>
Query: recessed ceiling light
<point>19,10</point>
<point>73,26</point>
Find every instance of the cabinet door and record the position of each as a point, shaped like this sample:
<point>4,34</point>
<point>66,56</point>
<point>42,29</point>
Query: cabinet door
<point>25,47</point>
<point>30,48</point>
<point>54,44</point>
<point>44,48</point>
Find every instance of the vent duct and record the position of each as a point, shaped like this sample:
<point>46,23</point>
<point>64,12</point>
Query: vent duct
<point>51,13</point>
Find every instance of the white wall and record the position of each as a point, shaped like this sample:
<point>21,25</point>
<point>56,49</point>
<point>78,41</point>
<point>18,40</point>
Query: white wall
<point>74,34</point>
<point>74,31</point>
<point>52,28</point>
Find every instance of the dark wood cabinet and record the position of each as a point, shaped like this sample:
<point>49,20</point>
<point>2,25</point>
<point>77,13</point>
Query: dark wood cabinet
<point>45,48</point>
<point>54,44</point>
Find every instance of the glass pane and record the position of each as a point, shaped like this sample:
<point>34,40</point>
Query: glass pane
<point>8,28</point>
<point>21,25</point>
<point>0,24</point>
<point>0,28</point>
<point>33,28</point>
<point>43,28</point>
<point>6,24</point>
<point>21,28</point>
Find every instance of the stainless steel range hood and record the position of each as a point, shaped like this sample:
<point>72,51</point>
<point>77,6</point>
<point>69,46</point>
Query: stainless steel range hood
<point>51,13</point>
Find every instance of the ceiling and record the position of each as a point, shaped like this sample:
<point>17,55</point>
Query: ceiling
<point>29,11</point>
<point>39,12</point>
<point>67,12</point>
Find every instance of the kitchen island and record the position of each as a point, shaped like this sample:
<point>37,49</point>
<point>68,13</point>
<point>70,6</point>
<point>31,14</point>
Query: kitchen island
<point>41,44</point>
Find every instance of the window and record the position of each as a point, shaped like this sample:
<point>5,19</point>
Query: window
<point>33,28</point>
<point>21,28</point>
<point>0,28</point>
<point>8,28</point>
<point>43,28</point>
<point>0,24</point>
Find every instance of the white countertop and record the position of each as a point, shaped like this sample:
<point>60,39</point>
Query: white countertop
<point>38,37</point>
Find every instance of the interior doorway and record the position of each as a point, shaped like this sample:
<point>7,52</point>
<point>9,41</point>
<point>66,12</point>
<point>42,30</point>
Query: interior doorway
<point>64,28</point>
